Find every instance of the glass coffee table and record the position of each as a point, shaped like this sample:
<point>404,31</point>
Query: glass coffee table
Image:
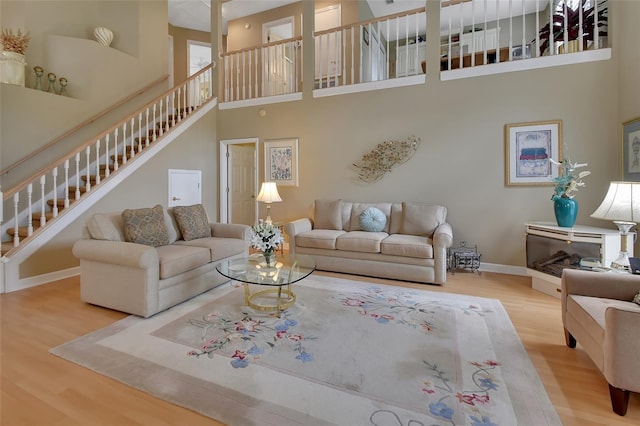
<point>286,270</point>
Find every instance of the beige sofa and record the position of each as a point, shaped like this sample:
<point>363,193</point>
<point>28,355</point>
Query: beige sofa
<point>598,312</point>
<point>144,279</point>
<point>410,243</point>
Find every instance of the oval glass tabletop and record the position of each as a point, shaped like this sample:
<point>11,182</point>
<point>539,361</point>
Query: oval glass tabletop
<point>287,269</point>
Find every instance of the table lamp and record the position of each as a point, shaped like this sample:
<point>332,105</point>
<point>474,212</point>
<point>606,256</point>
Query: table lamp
<point>269,194</point>
<point>622,206</point>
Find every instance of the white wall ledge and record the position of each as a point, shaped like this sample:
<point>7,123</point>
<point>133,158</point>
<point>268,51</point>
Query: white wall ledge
<point>528,64</point>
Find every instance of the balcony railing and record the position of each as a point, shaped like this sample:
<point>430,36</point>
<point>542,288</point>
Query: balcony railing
<point>379,49</point>
<point>481,32</point>
<point>267,70</point>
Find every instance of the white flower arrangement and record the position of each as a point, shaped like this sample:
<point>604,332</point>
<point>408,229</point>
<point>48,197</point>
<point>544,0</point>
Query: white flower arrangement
<point>266,237</point>
<point>568,181</point>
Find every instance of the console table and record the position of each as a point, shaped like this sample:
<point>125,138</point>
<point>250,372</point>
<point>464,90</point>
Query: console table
<point>551,248</point>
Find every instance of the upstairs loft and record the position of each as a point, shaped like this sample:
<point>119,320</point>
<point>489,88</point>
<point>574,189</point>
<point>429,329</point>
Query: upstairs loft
<point>262,58</point>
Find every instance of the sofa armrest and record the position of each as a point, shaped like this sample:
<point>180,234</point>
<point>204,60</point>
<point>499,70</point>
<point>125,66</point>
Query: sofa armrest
<point>610,285</point>
<point>294,228</point>
<point>117,253</point>
<point>442,239</point>
<point>622,346</point>
<point>443,236</point>
<point>231,230</point>
<point>298,226</point>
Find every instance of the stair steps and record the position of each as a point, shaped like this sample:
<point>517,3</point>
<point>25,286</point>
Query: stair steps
<point>140,145</point>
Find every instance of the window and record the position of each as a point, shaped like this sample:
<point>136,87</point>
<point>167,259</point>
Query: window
<point>199,55</point>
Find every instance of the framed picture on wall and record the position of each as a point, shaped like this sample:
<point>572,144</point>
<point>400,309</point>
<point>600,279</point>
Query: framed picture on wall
<point>529,149</point>
<point>631,150</point>
<point>281,161</point>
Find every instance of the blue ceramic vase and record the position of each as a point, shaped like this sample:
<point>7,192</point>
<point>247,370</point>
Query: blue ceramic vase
<point>566,210</point>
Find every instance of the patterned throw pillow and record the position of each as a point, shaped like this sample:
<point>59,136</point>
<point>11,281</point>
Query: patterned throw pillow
<point>192,221</point>
<point>372,220</point>
<point>636,298</point>
<point>145,226</point>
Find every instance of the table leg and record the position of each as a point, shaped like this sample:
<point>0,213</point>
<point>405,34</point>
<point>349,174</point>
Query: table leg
<point>246,294</point>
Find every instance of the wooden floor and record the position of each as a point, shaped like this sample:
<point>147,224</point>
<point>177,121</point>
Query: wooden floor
<point>37,388</point>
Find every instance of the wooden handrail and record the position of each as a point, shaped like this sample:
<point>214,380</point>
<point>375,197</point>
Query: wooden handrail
<point>83,124</point>
<point>10,192</point>
<point>258,46</point>
<point>371,21</point>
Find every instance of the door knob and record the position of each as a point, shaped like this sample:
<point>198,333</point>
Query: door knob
<point>175,199</point>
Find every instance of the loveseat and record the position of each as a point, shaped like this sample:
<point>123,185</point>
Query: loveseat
<point>144,261</point>
<point>404,241</point>
<point>600,312</point>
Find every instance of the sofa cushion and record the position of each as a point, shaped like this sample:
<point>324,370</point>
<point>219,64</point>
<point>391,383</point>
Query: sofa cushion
<point>372,220</point>
<point>408,246</point>
<point>328,214</point>
<point>192,221</point>
<point>361,241</point>
<point>358,208</point>
<point>318,238</point>
<point>106,226</point>
<point>145,226</point>
<point>422,219</point>
<point>172,226</point>
<point>175,259</point>
<point>218,247</point>
<point>395,218</point>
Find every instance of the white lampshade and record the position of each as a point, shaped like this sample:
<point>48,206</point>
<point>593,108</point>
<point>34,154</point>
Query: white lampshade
<point>269,193</point>
<point>621,204</point>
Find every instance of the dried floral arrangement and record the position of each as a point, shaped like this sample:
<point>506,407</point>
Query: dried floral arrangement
<point>17,43</point>
<point>375,164</point>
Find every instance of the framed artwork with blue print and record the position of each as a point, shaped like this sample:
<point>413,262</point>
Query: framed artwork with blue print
<point>631,150</point>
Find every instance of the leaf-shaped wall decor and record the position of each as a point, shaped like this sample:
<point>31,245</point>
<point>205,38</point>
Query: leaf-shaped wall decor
<point>376,163</point>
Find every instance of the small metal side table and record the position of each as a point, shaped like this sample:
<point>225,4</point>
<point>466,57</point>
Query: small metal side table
<point>464,257</point>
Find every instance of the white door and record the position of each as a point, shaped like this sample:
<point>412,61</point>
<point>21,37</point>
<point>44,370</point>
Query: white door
<point>328,49</point>
<point>242,198</point>
<point>184,187</point>
<point>238,180</point>
<point>277,62</point>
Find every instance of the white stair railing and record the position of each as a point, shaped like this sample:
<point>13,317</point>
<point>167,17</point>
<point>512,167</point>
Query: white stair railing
<point>98,159</point>
<point>385,48</point>
<point>480,32</point>
<point>267,70</point>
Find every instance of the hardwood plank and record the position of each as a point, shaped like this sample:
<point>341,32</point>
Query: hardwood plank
<point>37,388</point>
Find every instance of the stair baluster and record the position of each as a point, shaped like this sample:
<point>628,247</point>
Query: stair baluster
<point>66,183</point>
<point>30,212</point>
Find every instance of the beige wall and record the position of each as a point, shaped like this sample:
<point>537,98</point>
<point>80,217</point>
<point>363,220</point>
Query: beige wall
<point>461,161</point>
<point>62,42</point>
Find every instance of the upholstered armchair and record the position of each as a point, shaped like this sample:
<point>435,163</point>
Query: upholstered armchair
<point>598,312</point>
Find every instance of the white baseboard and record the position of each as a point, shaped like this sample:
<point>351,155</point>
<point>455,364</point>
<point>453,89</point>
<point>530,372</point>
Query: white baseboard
<point>42,279</point>
<point>503,269</point>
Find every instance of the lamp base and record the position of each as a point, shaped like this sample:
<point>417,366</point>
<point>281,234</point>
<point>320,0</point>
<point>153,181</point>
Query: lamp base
<point>622,262</point>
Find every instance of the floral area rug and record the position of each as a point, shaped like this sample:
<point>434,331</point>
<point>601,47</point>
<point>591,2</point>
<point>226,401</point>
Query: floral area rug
<point>347,353</point>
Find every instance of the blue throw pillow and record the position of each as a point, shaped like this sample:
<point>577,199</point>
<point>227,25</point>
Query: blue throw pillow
<point>372,220</point>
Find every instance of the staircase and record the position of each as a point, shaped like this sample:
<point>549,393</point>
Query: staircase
<point>49,200</point>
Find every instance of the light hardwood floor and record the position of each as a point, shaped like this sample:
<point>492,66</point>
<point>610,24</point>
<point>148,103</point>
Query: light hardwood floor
<point>38,388</point>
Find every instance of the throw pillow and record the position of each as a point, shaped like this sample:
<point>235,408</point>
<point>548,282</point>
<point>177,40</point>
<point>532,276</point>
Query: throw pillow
<point>422,219</point>
<point>328,215</point>
<point>636,298</point>
<point>145,226</point>
<point>372,220</point>
<point>192,221</point>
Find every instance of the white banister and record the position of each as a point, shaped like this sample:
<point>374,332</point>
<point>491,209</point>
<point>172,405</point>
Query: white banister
<point>97,157</point>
